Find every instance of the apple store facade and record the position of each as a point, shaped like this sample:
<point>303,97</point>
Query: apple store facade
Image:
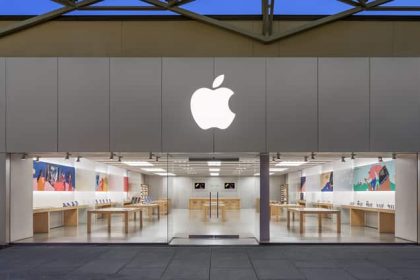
<point>209,150</point>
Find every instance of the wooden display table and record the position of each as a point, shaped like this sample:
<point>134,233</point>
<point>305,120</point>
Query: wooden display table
<point>41,217</point>
<point>163,206</point>
<point>276,209</point>
<point>150,207</point>
<point>386,217</point>
<point>326,205</point>
<point>318,211</point>
<point>231,203</point>
<point>108,212</point>
<point>214,206</point>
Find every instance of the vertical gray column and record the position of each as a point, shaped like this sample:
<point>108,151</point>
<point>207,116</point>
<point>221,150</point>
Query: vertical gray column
<point>264,197</point>
<point>4,199</point>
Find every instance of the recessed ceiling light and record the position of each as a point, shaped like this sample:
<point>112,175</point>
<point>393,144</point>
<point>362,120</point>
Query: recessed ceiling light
<point>165,174</point>
<point>214,163</point>
<point>214,169</point>
<point>138,163</point>
<point>290,163</point>
<point>154,169</point>
<point>278,169</point>
<point>214,174</point>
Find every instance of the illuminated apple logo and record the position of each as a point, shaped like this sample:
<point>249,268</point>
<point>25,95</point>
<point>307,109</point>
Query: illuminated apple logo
<point>210,107</point>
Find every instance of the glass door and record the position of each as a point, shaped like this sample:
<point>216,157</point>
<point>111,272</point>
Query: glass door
<point>213,198</point>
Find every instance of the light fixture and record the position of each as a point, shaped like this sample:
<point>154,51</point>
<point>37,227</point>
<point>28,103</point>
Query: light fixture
<point>214,169</point>
<point>274,158</point>
<point>214,174</point>
<point>78,159</point>
<point>157,158</point>
<point>153,169</point>
<point>353,155</point>
<point>119,158</point>
<point>277,169</point>
<point>214,163</point>
<point>343,159</point>
<point>24,156</point>
<point>394,156</point>
<point>290,163</point>
<point>380,159</point>
<point>278,155</point>
<point>150,155</point>
<point>111,155</point>
<point>312,155</point>
<point>305,158</point>
<point>138,163</point>
<point>165,174</point>
<point>258,174</point>
<point>67,156</point>
<point>37,158</point>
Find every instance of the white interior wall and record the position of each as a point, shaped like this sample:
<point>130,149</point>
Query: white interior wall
<point>406,198</point>
<point>21,219</point>
<point>182,188</point>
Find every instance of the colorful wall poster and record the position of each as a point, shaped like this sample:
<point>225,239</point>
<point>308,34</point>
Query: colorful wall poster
<point>53,177</point>
<point>302,184</point>
<point>327,182</point>
<point>375,177</point>
<point>101,182</point>
<point>126,184</point>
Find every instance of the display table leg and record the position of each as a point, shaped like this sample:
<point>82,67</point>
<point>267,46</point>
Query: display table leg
<point>71,218</point>
<point>288,219</point>
<point>339,222</point>
<point>141,218</point>
<point>320,222</point>
<point>158,212</point>
<point>109,217</point>
<point>41,222</point>
<point>301,223</point>
<point>89,222</point>
<point>126,222</point>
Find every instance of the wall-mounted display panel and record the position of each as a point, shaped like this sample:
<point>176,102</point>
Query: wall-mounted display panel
<point>292,110</point>
<point>343,98</point>
<point>83,102</point>
<point>31,90</point>
<point>136,123</point>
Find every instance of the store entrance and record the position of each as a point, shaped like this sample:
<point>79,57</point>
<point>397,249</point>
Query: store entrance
<point>213,199</point>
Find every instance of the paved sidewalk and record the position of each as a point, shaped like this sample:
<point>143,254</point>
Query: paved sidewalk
<point>225,263</point>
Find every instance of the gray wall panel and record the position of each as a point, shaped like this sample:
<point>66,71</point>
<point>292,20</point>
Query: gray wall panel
<point>83,98</point>
<point>2,105</point>
<point>395,104</point>
<point>135,104</point>
<point>181,77</point>
<point>343,104</point>
<point>31,89</point>
<point>246,77</point>
<point>292,104</point>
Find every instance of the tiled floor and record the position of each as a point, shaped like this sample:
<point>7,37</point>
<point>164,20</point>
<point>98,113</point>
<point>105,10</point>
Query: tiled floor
<point>311,262</point>
<point>182,222</point>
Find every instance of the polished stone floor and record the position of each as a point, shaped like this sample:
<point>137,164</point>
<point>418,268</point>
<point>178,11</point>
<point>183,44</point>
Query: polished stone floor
<point>311,262</point>
<point>182,222</point>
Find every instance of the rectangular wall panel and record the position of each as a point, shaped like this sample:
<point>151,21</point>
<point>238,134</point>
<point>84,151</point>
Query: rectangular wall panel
<point>343,104</point>
<point>2,105</point>
<point>246,78</point>
<point>83,99</point>
<point>135,104</point>
<point>395,104</point>
<point>31,90</point>
<point>292,104</point>
<point>181,78</point>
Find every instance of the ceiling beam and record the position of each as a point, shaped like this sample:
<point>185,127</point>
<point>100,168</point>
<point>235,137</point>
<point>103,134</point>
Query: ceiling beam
<point>33,21</point>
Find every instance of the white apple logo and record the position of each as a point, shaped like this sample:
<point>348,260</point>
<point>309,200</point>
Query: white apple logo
<point>210,107</point>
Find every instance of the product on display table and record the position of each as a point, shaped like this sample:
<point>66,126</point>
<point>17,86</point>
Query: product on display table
<point>318,211</point>
<point>108,212</point>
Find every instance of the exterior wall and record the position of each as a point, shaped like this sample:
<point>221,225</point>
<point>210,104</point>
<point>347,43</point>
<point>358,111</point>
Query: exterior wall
<point>185,38</point>
<point>281,104</point>
<point>4,199</point>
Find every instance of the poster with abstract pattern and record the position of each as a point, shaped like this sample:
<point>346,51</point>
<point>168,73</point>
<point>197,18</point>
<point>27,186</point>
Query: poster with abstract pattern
<point>375,177</point>
<point>327,182</point>
<point>101,184</point>
<point>53,177</point>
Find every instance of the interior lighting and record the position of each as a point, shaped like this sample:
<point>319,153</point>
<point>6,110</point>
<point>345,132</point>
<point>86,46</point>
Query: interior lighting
<point>380,159</point>
<point>278,156</point>
<point>353,155</point>
<point>165,174</point>
<point>394,156</point>
<point>312,155</point>
<point>153,169</point>
<point>67,156</point>
<point>290,163</point>
<point>214,169</point>
<point>214,174</point>
<point>78,159</point>
<point>214,163</point>
<point>343,159</point>
<point>111,155</point>
<point>278,169</point>
<point>24,156</point>
<point>305,158</point>
<point>138,163</point>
